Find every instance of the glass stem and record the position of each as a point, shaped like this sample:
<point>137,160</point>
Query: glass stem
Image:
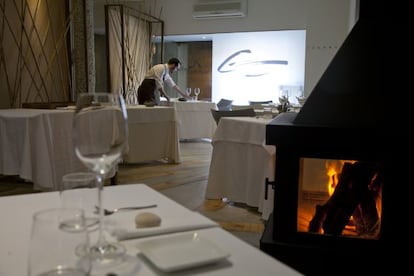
<point>101,237</point>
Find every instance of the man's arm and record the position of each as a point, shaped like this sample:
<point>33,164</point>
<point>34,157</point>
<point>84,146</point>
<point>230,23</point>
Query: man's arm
<point>164,94</point>
<point>173,85</point>
<point>178,89</point>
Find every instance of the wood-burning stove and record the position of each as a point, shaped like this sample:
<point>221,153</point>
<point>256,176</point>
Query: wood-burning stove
<point>343,125</point>
<point>311,229</point>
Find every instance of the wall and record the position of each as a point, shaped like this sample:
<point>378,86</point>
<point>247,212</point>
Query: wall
<point>101,64</point>
<point>327,22</point>
<point>199,68</point>
<point>34,64</point>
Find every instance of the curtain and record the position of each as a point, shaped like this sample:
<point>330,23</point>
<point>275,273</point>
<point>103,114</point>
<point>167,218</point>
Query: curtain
<point>115,49</point>
<point>137,53</point>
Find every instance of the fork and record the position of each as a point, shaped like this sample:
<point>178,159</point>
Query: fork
<point>110,212</point>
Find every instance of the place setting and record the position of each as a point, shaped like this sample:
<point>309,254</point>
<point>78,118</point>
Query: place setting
<point>99,136</point>
<point>182,252</point>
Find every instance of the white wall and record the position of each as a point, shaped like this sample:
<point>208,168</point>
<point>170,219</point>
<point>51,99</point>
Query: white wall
<point>262,15</point>
<point>326,23</point>
<point>242,68</point>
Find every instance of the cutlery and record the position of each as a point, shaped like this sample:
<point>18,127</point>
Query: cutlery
<point>108,212</point>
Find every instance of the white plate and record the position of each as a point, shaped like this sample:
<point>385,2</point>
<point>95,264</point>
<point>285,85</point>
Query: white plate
<point>181,251</point>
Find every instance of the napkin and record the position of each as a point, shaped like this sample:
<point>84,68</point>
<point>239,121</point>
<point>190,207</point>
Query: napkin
<point>122,225</point>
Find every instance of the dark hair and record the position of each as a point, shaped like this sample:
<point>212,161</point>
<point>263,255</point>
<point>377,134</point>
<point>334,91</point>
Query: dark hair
<point>174,61</point>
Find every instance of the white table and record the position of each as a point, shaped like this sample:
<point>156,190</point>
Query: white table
<point>36,144</point>
<point>194,118</point>
<point>153,134</point>
<point>241,162</point>
<point>15,233</point>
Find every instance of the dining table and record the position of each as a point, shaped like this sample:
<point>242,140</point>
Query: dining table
<point>241,163</point>
<point>194,118</point>
<point>36,144</point>
<point>153,134</point>
<point>177,222</point>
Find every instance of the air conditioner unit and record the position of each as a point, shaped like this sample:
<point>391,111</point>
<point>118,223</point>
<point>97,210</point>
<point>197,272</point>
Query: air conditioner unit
<point>220,9</point>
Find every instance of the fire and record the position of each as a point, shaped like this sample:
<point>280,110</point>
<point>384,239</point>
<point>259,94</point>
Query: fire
<point>333,171</point>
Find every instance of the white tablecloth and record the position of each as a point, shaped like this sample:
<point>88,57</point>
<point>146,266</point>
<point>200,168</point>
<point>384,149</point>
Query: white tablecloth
<point>153,134</point>
<point>16,224</point>
<point>194,119</point>
<point>241,162</point>
<point>36,144</point>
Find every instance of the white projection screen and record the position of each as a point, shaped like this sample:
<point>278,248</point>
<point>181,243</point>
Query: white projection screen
<point>258,66</point>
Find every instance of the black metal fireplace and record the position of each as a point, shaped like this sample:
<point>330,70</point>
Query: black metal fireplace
<point>334,175</point>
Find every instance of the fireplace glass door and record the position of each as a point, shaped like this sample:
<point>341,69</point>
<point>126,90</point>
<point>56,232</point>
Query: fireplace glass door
<point>340,198</point>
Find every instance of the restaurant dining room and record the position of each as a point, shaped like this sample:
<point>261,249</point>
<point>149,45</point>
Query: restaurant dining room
<point>156,137</point>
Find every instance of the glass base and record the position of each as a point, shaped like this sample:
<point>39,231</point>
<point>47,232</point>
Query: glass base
<point>106,251</point>
<point>125,266</point>
<point>65,272</point>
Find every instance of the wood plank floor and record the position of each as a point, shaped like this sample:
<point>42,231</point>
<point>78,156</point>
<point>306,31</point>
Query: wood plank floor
<point>185,183</point>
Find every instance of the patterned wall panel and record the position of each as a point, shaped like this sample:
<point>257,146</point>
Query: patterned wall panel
<point>34,56</point>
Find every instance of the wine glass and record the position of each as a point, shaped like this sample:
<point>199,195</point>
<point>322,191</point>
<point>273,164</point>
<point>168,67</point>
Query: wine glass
<point>197,92</point>
<point>58,238</point>
<point>100,135</point>
<point>188,91</point>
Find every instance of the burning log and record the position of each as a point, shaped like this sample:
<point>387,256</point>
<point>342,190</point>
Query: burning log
<point>352,196</point>
<point>366,216</point>
<point>315,225</point>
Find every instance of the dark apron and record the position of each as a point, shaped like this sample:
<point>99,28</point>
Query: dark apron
<point>146,91</point>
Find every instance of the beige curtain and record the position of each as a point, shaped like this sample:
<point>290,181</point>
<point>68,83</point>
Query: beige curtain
<point>115,49</point>
<point>137,54</point>
<point>34,61</point>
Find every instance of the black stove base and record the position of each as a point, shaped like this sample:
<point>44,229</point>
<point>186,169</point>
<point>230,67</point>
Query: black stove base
<point>312,260</point>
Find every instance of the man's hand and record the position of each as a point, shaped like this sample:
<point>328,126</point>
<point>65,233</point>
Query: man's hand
<point>185,96</point>
<point>162,92</point>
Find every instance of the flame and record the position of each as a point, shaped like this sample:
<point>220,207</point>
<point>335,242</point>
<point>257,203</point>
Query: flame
<point>333,171</point>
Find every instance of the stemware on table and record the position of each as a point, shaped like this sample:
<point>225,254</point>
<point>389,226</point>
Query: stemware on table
<point>100,136</point>
<point>58,240</point>
<point>197,92</point>
<point>188,91</point>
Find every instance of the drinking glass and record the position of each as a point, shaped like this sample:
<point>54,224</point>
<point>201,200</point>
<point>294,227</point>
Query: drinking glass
<point>100,135</point>
<point>78,190</point>
<point>57,241</point>
<point>188,91</point>
<point>196,92</point>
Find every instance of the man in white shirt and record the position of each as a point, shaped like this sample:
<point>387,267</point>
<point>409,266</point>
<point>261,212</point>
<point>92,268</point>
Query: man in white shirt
<point>152,87</point>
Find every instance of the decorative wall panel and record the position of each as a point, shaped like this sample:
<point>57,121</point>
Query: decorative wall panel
<point>34,56</point>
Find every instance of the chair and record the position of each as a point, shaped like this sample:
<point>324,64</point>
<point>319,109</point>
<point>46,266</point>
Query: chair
<point>238,107</point>
<point>260,102</point>
<point>217,114</point>
<point>224,104</point>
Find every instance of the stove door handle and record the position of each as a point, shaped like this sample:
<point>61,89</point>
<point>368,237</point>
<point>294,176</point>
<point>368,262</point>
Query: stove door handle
<point>267,183</point>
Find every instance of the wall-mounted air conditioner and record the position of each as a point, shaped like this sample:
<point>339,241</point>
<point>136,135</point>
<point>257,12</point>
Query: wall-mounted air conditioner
<point>220,9</point>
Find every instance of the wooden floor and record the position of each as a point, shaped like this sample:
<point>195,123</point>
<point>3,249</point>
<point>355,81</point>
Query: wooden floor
<point>184,183</point>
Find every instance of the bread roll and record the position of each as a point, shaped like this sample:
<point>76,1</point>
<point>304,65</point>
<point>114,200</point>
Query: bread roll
<point>147,219</point>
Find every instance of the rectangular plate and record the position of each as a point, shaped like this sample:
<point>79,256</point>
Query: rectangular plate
<point>181,251</point>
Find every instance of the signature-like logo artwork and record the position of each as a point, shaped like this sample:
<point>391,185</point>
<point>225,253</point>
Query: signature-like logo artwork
<point>250,68</point>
